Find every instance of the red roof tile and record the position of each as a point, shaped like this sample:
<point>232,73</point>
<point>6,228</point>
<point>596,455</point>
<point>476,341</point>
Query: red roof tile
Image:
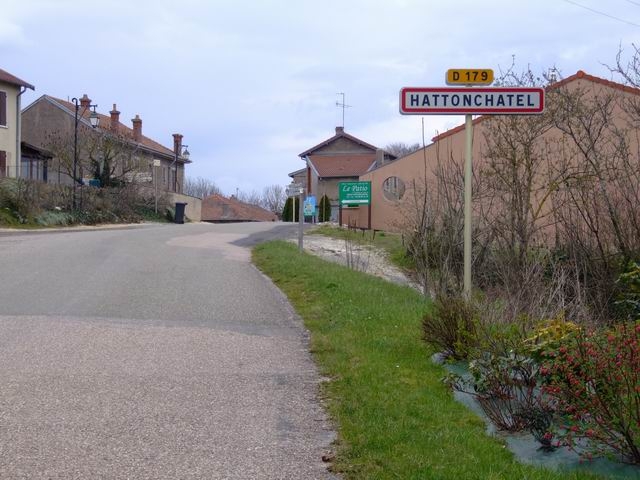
<point>6,77</point>
<point>105,122</point>
<point>328,166</point>
<point>217,208</point>
<point>578,75</point>
<point>340,133</point>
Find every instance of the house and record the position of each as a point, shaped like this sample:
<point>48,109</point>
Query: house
<point>395,186</point>
<point>11,90</point>
<point>34,162</point>
<point>340,158</point>
<point>113,152</point>
<point>219,209</point>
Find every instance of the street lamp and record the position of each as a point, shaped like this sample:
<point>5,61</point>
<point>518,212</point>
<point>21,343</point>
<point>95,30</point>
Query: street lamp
<point>94,120</point>
<point>185,155</point>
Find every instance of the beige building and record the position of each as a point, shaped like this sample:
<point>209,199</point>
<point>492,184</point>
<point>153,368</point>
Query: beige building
<point>49,122</point>
<point>341,158</point>
<point>11,90</point>
<point>397,186</point>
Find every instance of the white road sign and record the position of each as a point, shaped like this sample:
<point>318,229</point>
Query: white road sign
<point>474,101</point>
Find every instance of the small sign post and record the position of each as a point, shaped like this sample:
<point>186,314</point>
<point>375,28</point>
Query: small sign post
<point>297,190</point>
<point>470,101</point>
<point>156,164</point>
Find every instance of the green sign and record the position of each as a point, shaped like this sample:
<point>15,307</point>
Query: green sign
<point>354,193</point>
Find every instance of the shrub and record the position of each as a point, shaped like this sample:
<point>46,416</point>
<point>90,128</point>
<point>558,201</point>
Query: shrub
<point>450,326</point>
<point>628,298</point>
<point>324,214</point>
<point>549,335</point>
<point>506,388</point>
<point>54,218</point>
<point>595,378</point>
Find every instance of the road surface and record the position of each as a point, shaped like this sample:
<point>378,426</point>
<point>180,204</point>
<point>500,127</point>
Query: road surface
<point>155,352</point>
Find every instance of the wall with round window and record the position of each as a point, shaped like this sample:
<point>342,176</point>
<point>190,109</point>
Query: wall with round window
<point>393,189</point>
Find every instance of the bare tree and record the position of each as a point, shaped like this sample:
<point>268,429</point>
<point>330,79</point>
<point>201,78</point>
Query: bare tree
<point>401,149</point>
<point>252,198</point>
<point>273,198</point>
<point>107,156</point>
<point>200,187</point>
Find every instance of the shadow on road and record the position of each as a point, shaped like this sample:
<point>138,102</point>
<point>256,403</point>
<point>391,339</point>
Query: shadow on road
<point>283,232</point>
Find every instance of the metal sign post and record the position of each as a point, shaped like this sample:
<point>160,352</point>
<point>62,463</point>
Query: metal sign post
<point>297,190</point>
<point>301,221</point>
<point>156,164</point>
<point>470,101</point>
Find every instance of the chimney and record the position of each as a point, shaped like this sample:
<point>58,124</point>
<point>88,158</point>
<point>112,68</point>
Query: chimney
<point>339,130</point>
<point>177,144</point>
<point>137,127</point>
<point>115,119</point>
<point>85,102</point>
<point>379,157</point>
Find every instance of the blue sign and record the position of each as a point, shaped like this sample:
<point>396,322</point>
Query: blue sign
<point>309,207</point>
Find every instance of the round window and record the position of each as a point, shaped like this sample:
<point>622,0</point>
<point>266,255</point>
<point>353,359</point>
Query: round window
<point>393,188</point>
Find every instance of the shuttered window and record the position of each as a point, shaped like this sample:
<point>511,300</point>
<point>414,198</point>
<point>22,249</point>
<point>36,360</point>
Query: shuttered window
<point>3,109</point>
<point>3,163</point>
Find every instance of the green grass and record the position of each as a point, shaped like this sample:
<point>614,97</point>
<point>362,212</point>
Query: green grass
<point>394,417</point>
<point>389,242</point>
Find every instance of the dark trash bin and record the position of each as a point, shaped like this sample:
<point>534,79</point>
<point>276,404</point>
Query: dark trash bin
<point>179,216</point>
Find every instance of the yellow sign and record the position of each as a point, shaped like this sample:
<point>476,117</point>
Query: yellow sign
<point>469,76</point>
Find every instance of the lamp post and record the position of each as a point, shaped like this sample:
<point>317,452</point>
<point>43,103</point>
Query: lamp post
<point>94,119</point>
<point>184,154</point>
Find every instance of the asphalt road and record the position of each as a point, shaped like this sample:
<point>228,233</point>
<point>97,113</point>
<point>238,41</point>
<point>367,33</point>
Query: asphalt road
<point>155,352</point>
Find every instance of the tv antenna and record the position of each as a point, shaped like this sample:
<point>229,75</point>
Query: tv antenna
<point>343,105</point>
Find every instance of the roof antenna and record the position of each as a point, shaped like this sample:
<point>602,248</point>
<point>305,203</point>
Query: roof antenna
<point>343,105</point>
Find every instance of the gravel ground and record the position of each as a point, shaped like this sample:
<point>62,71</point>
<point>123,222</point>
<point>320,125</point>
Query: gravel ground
<point>364,258</point>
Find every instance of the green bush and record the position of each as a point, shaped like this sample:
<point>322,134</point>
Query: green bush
<point>291,205</point>
<point>450,327</point>
<point>324,215</point>
<point>8,218</point>
<point>628,298</point>
<point>54,218</point>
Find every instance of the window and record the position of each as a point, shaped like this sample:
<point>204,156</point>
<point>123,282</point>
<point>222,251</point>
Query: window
<point>3,163</point>
<point>3,109</point>
<point>393,188</point>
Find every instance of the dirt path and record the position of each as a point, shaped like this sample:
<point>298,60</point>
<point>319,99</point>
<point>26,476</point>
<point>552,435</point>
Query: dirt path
<point>365,258</point>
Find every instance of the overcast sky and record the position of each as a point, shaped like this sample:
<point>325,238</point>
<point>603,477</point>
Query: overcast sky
<point>251,84</point>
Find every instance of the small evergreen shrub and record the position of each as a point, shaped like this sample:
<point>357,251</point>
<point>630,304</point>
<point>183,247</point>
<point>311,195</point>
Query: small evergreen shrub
<point>324,215</point>
<point>291,205</point>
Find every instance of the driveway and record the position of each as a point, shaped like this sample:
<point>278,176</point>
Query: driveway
<point>156,352</point>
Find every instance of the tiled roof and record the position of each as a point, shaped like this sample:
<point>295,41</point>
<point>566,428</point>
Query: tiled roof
<point>105,122</point>
<point>328,166</point>
<point>298,172</point>
<point>217,208</point>
<point>576,76</point>
<point>6,77</point>
<point>339,134</point>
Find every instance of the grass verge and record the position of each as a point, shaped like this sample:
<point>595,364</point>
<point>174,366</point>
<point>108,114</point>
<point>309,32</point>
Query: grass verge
<point>394,417</point>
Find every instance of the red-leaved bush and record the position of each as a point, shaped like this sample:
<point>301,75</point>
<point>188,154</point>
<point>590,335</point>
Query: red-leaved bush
<point>595,379</point>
